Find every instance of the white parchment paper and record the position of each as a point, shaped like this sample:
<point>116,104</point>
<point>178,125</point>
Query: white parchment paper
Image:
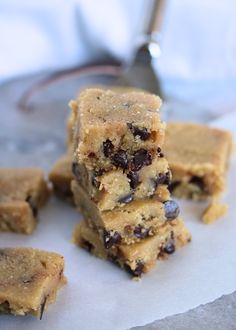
<point>101,296</point>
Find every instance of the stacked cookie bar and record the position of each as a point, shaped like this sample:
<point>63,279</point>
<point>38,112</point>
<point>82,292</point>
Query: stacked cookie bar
<point>121,179</point>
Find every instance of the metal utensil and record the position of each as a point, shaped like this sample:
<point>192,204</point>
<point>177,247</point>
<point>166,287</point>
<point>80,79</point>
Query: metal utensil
<point>140,72</point>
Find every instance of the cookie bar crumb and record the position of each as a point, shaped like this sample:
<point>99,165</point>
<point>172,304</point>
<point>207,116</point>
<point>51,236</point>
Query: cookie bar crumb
<point>214,211</point>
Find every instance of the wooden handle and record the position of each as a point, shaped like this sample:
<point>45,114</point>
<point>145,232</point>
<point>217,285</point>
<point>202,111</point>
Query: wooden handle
<point>156,15</point>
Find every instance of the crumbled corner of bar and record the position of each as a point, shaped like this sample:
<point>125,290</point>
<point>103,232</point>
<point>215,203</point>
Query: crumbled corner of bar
<point>214,211</point>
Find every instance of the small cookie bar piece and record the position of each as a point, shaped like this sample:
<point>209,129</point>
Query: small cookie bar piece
<point>214,211</point>
<point>117,187</point>
<point>198,157</point>
<point>136,258</point>
<point>111,127</point>
<point>128,224</point>
<point>61,176</point>
<point>29,280</point>
<point>22,192</point>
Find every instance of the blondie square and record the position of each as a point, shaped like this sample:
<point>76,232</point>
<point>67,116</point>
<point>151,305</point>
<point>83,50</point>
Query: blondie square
<point>111,128</point>
<point>136,258</point>
<point>29,280</point>
<point>198,157</point>
<point>118,187</point>
<point>22,192</point>
<point>128,224</point>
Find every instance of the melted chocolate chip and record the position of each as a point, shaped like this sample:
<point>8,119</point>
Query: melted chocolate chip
<point>173,185</point>
<point>134,179</point>
<point>196,180</point>
<point>141,157</point>
<point>126,199</point>
<point>158,150</point>
<point>108,148</point>
<point>169,248</point>
<point>32,205</point>
<point>140,232</point>
<point>92,155</point>
<point>161,179</point>
<point>142,132</point>
<point>139,268</point>
<point>110,238</point>
<point>171,210</point>
<point>120,159</point>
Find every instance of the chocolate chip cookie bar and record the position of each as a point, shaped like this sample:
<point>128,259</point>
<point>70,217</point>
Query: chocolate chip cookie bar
<point>22,192</point>
<point>113,130</point>
<point>136,258</point>
<point>128,224</point>
<point>198,157</point>
<point>61,176</point>
<point>29,280</point>
<point>118,187</point>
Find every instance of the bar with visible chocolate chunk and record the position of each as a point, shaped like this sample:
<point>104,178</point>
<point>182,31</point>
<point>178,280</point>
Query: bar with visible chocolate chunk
<point>116,188</point>
<point>140,257</point>
<point>61,176</point>
<point>22,192</point>
<point>128,224</point>
<point>29,280</point>
<point>114,130</point>
<point>198,157</point>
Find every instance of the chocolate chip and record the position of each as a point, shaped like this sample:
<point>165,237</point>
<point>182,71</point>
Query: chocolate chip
<point>173,185</point>
<point>110,238</point>
<point>98,98</point>
<point>32,205</point>
<point>158,150</point>
<point>171,210</point>
<point>95,182</point>
<point>141,232</point>
<point>108,148</point>
<point>42,308</point>
<point>141,157</point>
<point>139,268</point>
<point>169,248</point>
<point>134,179</point>
<point>76,172</point>
<point>126,199</point>
<point>198,181</point>
<point>120,159</point>
<point>87,245</point>
<point>161,179</point>
<point>96,173</point>
<point>92,155</point>
<point>142,132</point>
